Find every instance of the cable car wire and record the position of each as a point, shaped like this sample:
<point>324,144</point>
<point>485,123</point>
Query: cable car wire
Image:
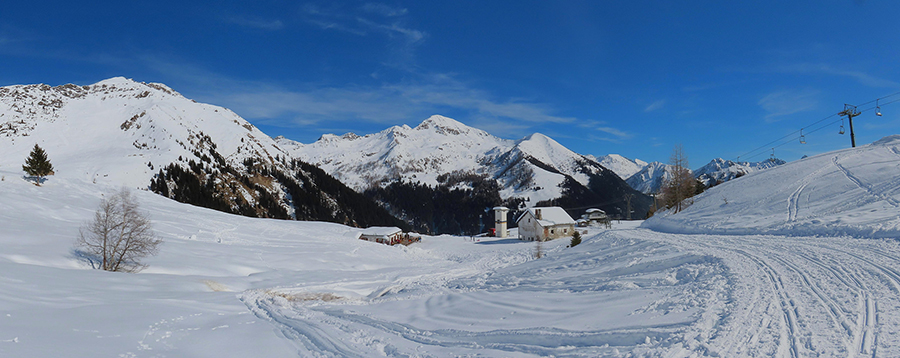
<point>791,137</point>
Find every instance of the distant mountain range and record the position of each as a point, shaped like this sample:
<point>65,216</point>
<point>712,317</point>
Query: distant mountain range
<point>445,155</point>
<point>440,176</point>
<point>652,176</point>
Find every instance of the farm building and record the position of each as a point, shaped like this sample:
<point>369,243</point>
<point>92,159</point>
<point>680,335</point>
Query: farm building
<point>545,224</point>
<point>389,236</point>
<point>594,217</point>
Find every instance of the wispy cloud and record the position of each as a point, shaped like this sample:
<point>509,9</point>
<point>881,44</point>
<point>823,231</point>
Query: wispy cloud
<point>411,35</point>
<point>384,9</point>
<point>655,105</point>
<point>256,23</point>
<point>369,20</point>
<point>861,77</point>
<point>784,103</point>
<point>618,133</point>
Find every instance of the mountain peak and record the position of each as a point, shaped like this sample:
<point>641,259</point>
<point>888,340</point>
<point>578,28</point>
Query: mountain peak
<point>116,81</point>
<point>444,125</point>
<point>542,142</point>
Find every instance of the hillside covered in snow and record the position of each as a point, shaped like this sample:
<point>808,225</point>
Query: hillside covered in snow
<point>798,260</point>
<point>855,191</point>
<point>226,285</point>
<point>144,135</point>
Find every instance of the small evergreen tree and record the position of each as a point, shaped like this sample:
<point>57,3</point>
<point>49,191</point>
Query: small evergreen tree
<point>37,164</point>
<point>576,239</point>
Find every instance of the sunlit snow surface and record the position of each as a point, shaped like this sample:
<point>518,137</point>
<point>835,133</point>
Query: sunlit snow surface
<point>853,192</point>
<point>224,285</point>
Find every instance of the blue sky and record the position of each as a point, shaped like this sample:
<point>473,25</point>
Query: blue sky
<point>630,77</point>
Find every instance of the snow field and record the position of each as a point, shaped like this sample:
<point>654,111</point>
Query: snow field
<point>224,285</point>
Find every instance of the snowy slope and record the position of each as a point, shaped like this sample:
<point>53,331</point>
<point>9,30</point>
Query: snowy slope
<point>226,285</point>
<point>623,167</point>
<point>144,135</point>
<point>119,130</point>
<point>853,191</point>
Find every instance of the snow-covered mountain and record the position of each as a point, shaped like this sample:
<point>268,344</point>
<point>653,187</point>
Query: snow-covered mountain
<point>623,167</point>
<point>721,170</point>
<point>748,284</point>
<point>651,178</point>
<point>535,168</point>
<point>438,145</point>
<point>142,135</point>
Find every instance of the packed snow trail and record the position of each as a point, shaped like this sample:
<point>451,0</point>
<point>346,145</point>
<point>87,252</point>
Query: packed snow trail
<point>803,296</point>
<point>626,293</point>
<point>610,296</point>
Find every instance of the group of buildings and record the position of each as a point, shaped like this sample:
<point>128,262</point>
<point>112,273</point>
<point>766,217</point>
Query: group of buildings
<point>548,223</point>
<point>536,224</point>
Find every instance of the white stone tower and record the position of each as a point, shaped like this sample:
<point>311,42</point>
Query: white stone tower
<point>500,214</point>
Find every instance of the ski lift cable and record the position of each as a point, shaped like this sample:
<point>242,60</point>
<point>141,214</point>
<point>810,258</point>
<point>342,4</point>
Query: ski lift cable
<point>793,139</point>
<point>764,146</point>
<point>790,136</point>
<point>878,99</point>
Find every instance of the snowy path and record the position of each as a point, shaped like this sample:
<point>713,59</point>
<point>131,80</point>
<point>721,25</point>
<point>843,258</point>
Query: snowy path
<point>609,297</point>
<point>626,293</point>
<point>803,296</point>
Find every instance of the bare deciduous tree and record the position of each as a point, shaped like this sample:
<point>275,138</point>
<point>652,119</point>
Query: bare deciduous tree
<point>119,236</point>
<point>680,184</point>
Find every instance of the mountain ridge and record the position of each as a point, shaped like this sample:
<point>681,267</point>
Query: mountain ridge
<point>534,170</point>
<point>148,136</point>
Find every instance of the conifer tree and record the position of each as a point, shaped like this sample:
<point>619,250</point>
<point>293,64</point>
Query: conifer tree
<point>37,164</point>
<point>576,239</point>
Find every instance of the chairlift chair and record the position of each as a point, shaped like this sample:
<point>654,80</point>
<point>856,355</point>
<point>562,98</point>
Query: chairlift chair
<point>842,127</point>
<point>877,109</point>
<point>802,137</point>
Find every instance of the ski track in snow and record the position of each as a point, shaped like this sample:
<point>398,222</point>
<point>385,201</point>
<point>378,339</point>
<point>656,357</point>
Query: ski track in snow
<point>786,297</point>
<point>829,298</point>
<point>868,188</point>
<point>794,199</point>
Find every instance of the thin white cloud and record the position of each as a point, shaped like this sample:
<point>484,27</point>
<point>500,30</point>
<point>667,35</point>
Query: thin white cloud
<point>861,77</point>
<point>655,105</point>
<point>411,35</point>
<point>256,23</point>
<point>313,107</point>
<point>360,22</point>
<point>384,10</point>
<point>618,133</point>
<point>784,103</point>
<point>331,25</point>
